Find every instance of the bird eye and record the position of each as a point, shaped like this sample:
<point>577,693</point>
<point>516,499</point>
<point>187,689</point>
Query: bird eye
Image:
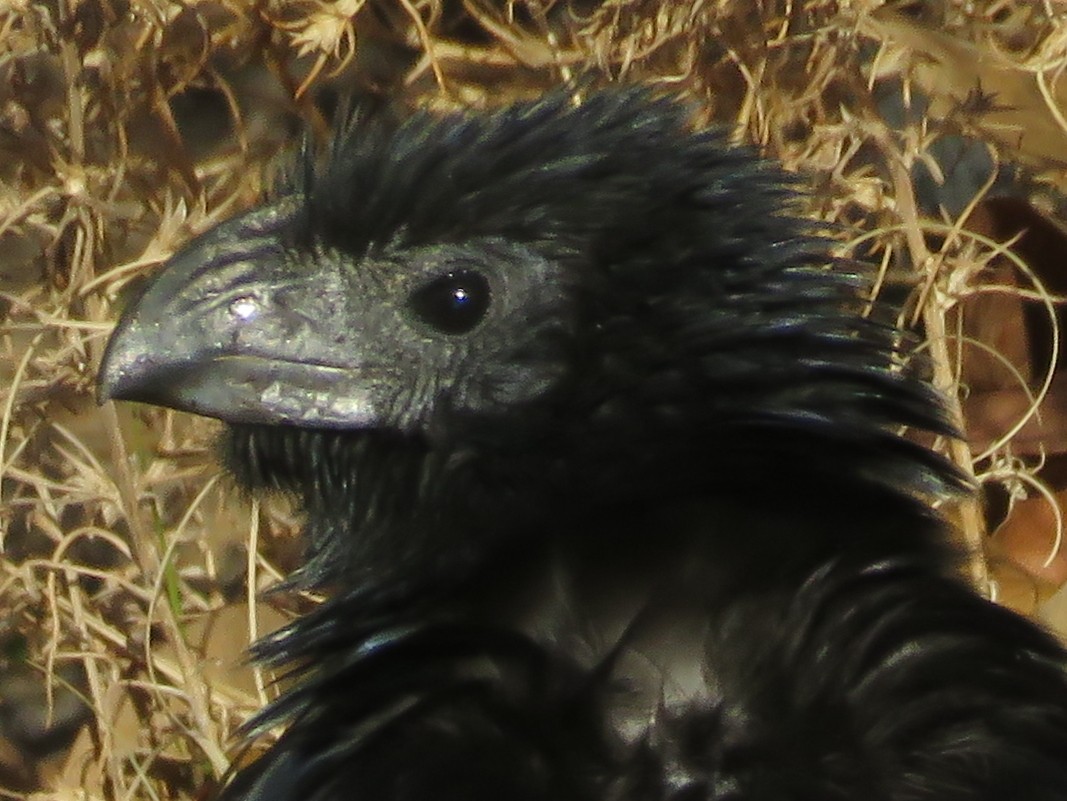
<point>454,303</point>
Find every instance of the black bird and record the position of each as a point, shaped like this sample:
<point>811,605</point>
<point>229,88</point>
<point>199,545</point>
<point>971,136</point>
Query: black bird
<point>601,461</point>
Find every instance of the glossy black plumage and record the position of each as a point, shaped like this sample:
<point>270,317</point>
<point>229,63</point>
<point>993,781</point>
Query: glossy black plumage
<point>602,463</point>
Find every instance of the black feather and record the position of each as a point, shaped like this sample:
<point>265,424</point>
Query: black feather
<point>602,457</point>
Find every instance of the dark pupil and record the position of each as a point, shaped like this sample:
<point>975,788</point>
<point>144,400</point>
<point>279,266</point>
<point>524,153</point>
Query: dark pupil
<point>453,303</point>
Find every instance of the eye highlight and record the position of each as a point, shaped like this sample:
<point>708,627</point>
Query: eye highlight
<point>453,303</point>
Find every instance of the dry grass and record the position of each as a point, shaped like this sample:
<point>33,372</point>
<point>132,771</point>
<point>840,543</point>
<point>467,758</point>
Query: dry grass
<point>128,127</point>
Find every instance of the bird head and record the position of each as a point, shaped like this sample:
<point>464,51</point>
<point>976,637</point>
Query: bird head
<point>521,315</point>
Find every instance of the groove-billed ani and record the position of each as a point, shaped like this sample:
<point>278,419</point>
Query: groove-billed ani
<point>602,460</point>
